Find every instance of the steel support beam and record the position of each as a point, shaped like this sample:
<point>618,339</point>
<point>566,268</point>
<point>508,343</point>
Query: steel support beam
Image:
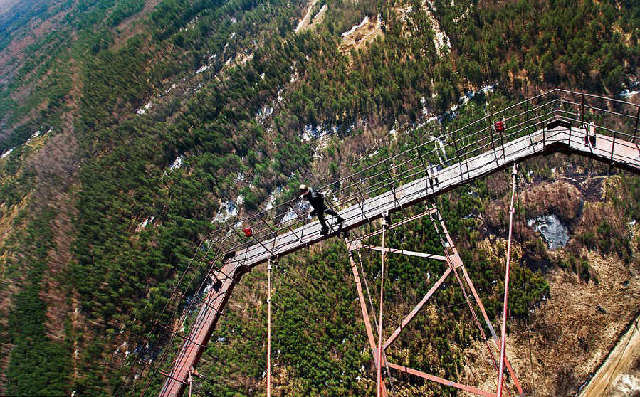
<point>363,308</point>
<point>380,382</point>
<point>406,252</point>
<point>503,339</point>
<point>416,309</point>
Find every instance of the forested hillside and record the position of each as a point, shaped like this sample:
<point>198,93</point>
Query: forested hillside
<point>131,130</point>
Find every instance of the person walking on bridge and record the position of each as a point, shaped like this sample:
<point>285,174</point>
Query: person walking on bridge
<point>316,199</point>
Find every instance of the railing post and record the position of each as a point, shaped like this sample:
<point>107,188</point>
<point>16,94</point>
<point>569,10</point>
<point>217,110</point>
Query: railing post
<point>427,176</point>
<point>361,199</point>
<point>380,382</point>
<point>455,145</point>
<point>493,145</point>
<point>506,288</point>
<point>570,135</point>
<point>582,111</point>
<point>635,130</point>
<point>613,145</point>
<point>526,115</point>
<point>466,162</point>
<point>502,141</point>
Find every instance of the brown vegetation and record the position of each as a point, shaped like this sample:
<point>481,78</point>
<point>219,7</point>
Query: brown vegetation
<point>362,35</point>
<point>54,166</point>
<point>565,339</point>
<point>129,27</point>
<point>560,198</point>
<point>59,258</point>
<point>590,305</point>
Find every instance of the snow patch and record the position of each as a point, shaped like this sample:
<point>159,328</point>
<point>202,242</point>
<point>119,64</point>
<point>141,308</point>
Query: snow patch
<point>289,216</point>
<point>304,22</point>
<point>8,152</point>
<point>227,211</point>
<point>628,94</point>
<point>144,223</point>
<point>322,144</point>
<point>271,200</point>
<point>301,207</point>
<point>264,113</point>
<point>441,41</point>
<point>486,89</point>
<point>37,134</point>
<point>203,68</point>
<point>297,210</point>
<point>294,75</point>
<point>627,384</point>
<point>631,90</point>
<point>311,132</point>
<point>356,27</point>
<point>145,108</point>
<point>177,163</point>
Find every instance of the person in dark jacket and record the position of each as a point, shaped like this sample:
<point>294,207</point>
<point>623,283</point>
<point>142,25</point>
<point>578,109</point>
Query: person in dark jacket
<point>316,200</point>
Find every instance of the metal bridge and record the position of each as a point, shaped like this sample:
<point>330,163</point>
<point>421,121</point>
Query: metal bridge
<point>558,120</point>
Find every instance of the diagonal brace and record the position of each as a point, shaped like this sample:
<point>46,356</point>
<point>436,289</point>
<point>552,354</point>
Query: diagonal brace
<point>416,309</point>
<point>365,312</point>
<point>406,252</point>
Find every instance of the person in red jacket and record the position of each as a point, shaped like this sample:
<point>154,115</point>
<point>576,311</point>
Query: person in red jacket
<point>316,200</point>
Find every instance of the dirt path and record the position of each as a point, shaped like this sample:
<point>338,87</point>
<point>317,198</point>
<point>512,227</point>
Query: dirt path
<point>614,377</point>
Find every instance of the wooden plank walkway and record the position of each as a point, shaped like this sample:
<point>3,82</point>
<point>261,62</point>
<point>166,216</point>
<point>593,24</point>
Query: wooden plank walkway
<point>559,138</point>
<point>450,177</point>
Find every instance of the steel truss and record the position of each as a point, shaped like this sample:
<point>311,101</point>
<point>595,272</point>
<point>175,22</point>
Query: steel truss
<point>455,267</point>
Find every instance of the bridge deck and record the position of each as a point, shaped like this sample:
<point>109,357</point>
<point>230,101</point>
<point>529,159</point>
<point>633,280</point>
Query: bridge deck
<point>450,177</point>
<point>573,140</point>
